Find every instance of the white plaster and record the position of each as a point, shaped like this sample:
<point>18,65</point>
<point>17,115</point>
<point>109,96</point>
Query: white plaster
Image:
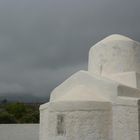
<point>126,78</point>
<point>95,88</point>
<point>86,86</point>
<point>125,119</point>
<point>112,56</point>
<point>83,120</point>
<point>19,131</point>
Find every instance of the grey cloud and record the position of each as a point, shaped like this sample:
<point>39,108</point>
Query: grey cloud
<point>43,42</point>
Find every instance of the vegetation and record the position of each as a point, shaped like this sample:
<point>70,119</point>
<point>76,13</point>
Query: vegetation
<point>18,113</point>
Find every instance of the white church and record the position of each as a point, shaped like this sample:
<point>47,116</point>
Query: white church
<point>101,103</point>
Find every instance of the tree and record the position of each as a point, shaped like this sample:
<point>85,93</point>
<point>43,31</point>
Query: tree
<point>19,113</point>
<point>6,118</point>
<point>16,109</point>
<point>30,118</point>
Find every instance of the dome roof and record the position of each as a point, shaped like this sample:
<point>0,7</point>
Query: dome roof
<point>114,54</point>
<point>114,37</point>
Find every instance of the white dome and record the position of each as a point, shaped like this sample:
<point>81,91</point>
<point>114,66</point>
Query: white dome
<point>116,37</point>
<point>114,54</point>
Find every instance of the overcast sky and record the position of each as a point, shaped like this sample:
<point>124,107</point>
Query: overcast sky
<point>43,42</point>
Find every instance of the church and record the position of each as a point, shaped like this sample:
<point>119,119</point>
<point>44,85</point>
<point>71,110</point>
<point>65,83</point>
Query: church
<point>101,103</point>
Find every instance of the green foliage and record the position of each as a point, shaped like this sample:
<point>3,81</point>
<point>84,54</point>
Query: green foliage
<point>19,113</point>
<point>16,109</point>
<point>36,116</point>
<point>7,118</point>
<point>30,118</point>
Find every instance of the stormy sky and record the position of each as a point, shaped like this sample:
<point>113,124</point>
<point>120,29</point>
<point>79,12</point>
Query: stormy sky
<point>43,42</point>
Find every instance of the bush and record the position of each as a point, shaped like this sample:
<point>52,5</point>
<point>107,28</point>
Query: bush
<point>16,109</point>
<point>6,118</point>
<point>19,113</point>
<point>28,119</point>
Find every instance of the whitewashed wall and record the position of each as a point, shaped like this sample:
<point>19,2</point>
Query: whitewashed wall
<point>19,131</point>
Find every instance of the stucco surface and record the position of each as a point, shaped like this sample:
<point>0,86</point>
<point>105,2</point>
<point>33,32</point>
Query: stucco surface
<point>85,86</point>
<point>127,78</point>
<point>19,131</point>
<point>126,119</point>
<point>114,56</point>
<point>76,124</point>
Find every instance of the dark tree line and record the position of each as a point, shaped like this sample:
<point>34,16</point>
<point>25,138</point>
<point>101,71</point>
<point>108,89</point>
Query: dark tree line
<point>18,113</point>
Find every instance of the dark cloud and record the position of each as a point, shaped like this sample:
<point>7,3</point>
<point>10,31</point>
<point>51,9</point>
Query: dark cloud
<point>43,42</point>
